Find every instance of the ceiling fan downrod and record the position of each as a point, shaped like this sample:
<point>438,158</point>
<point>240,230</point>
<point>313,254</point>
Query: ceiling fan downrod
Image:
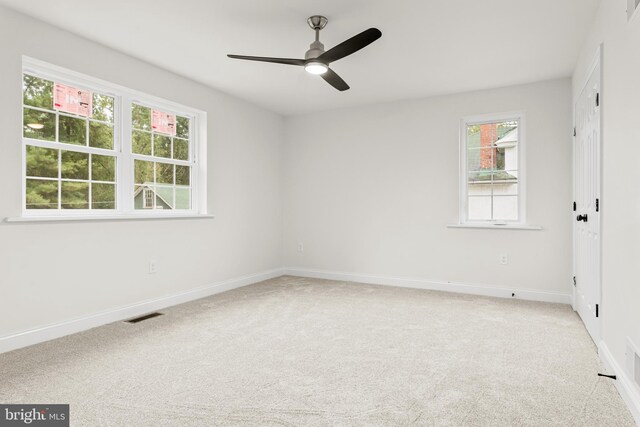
<point>317,23</point>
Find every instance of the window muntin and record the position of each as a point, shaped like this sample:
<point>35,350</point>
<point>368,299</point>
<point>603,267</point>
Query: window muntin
<point>492,173</point>
<point>70,162</point>
<point>77,166</point>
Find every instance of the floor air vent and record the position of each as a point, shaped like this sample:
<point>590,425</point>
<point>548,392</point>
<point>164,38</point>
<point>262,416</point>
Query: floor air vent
<point>145,317</point>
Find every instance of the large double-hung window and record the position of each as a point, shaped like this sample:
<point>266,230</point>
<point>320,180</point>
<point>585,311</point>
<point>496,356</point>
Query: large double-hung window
<point>92,149</point>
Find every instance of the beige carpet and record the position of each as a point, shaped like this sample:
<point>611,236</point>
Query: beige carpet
<point>294,351</point>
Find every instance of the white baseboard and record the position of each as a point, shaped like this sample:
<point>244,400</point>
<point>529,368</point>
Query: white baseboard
<point>464,288</point>
<point>625,386</point>
<point>49,332</point>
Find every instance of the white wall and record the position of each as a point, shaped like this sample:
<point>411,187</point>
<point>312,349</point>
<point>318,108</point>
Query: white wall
<point>371,190</point>
<point>54,272</point>
<point>621,174</point>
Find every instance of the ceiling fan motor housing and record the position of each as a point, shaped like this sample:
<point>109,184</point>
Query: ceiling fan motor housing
<point>315,49</point>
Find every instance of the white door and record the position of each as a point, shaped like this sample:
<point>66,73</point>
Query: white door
<point>587,207</point>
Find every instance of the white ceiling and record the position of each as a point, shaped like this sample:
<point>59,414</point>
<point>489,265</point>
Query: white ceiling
<point>428,47</point>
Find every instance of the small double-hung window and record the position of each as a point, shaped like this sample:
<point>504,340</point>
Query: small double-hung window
<point>95,149</point>
<point>492,169</point>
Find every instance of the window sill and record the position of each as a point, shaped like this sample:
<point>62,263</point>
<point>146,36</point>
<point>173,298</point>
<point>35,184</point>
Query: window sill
<point>26,219</point>
<point>498,226</point>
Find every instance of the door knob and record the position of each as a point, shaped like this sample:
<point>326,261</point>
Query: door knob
<point>582,218</point>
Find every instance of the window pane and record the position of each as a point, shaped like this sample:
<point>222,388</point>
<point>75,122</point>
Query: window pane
<point>162,146</point>
<point>103,196</point>
<point>482,159</point>
<point>100,135</point>
<point>499,153</point>
<point>183,198</point>
<point>180,149</point>
<point>507,134</point>
<point>140,117</point>
<point>479,208</point>
<point>473,136</point>
<point>42,162</point>
<point>75,195</point>
<point>506,144</point>
<point>75,165</point>
<point>164,173</point>
<point>164,197</point>
<point>143,172</point>
<point>149,196</point>
<point>141,143</point>
<point>39,125</point>
<point>143,196</point>
<point>510,151</point>
<point>505,183</point>
<point>183,175</point>
<point>182,127</point>
<point>72,130</point>
<point>103,168</point>
<point>42,194</point>
<point>505,208</point>
<point>102,108</point>
<point>37,92</point>
<point>479,188</point>
<point>473,159</point>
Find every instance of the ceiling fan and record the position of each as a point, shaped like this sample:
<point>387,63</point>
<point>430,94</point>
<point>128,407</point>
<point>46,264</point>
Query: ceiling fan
<point>316,60</point>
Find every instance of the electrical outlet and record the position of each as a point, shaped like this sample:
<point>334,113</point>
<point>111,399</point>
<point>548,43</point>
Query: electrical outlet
<point>153,266</point>
<point>504,259</point>
<point>300,247</point>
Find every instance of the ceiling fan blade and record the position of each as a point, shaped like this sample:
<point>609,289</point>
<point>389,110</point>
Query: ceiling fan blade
<point>334,80</point>
<point>287,61</point>
<point>352,45</point>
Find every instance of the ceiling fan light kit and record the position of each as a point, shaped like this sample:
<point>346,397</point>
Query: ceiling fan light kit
<point>315,68</point>
<point>316,59</point>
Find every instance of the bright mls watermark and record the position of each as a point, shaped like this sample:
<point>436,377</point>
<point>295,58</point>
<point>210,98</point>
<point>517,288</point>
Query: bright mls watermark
<point>41,415</point>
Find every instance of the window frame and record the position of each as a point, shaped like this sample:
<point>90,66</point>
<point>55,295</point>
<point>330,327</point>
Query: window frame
<point>518,116</point>
<point>122,126</point>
